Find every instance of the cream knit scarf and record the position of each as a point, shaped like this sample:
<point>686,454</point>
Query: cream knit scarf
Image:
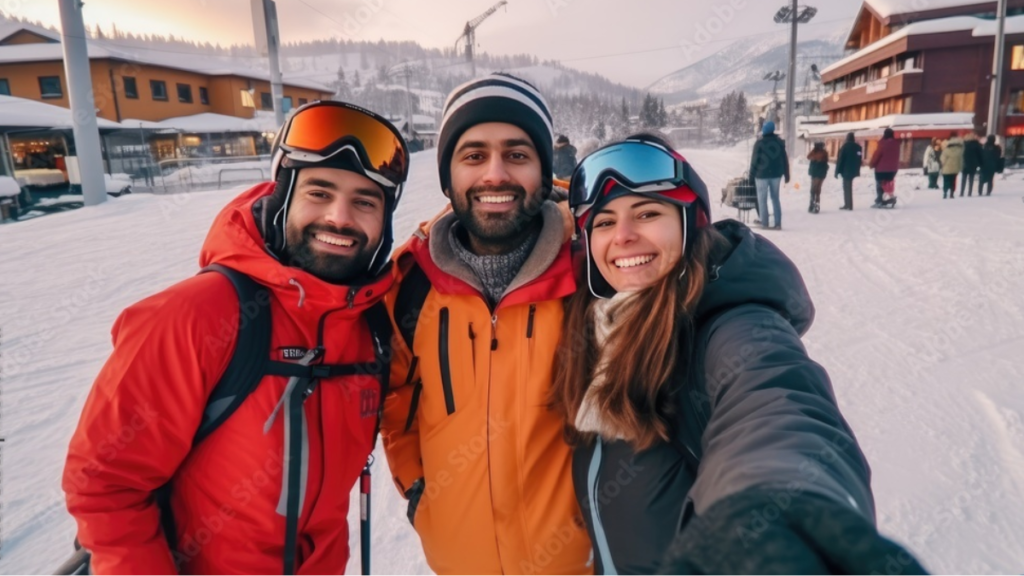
<point>589,418</point>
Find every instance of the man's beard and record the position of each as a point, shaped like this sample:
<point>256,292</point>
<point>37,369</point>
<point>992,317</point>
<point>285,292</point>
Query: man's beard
<point>333,268</point>
<point>498,229</point>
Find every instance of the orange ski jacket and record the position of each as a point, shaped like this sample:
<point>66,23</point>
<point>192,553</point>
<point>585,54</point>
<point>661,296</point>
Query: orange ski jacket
<point>467,412</point>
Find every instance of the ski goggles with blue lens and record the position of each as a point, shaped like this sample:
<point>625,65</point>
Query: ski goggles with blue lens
<point>641,166</point>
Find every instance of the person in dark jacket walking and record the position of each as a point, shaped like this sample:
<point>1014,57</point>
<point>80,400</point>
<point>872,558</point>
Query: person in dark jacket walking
<point>991,164</point>
<point>565,158</point>
<point>886,162</point>
<point>972,161</point>
<point>851,157</point>
<point>769,164</point>
<point>724,383</point>
<point>818,171</point>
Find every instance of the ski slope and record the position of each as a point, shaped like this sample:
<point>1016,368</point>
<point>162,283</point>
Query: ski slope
<point>920,324</point>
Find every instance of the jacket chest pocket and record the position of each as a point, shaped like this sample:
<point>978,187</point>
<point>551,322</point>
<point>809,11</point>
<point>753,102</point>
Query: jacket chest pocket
<point>448,367</point>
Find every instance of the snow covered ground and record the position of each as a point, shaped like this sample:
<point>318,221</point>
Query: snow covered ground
<point>920,324</point>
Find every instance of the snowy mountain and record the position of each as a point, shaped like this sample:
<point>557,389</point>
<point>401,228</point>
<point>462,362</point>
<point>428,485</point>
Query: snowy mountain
<point>743,64</point>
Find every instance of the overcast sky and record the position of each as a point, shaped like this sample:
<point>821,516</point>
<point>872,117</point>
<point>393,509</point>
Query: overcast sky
<point>630,41</point>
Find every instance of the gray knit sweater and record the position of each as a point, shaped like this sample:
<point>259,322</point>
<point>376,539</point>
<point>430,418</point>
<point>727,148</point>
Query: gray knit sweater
<point>495,272</point>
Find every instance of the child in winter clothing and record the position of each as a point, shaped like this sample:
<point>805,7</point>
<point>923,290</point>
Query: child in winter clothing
<point>818,171</point>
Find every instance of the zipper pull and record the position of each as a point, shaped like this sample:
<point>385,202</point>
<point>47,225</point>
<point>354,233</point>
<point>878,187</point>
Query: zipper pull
<point>472,335</point>
<point>494,332</point>
<point>352,297</point>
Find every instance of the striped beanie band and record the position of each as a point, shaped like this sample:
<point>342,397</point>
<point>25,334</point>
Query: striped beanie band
<point>498,97</point>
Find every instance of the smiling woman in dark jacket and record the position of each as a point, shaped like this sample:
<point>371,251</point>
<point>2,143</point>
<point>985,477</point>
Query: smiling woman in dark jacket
<point>700,426</point>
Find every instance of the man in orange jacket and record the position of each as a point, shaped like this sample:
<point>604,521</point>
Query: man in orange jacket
<point>467,431</point>
<point>267,491</point>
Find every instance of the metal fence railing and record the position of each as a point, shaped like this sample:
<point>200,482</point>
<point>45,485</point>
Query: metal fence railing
<point>192,174</point>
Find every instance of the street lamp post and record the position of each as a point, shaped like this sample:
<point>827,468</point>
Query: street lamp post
<point>794,15</point>
<point>997,71</point>
<point>83,105</point>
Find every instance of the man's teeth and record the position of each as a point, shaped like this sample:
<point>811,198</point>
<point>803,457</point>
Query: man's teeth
<point>334,241</point>
<point>496,199</point>
<point>634,261</point>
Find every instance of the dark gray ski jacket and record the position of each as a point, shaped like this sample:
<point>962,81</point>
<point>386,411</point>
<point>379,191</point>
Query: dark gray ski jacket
<point>762,416</point>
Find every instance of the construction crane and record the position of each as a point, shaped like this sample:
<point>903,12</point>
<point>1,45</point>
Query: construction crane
<point>469,33</point>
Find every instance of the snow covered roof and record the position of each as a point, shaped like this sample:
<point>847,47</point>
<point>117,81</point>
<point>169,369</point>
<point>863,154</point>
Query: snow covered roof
<point>945,120</point>
<point>210,123</point>
<point>200,63</point>
<point>978,27</point>
<point>25,113</point>
<point>887,8</point>
<point>9,28</point>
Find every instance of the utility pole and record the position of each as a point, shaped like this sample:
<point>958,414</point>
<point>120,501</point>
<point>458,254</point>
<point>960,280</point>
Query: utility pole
<point>791,89</point>
<point>268,42</point>
<point>794,15</point>
<point>83,108</point>
<point>995,98</point>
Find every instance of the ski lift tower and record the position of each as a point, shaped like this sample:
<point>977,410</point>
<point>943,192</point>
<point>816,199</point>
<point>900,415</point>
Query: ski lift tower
<point>794,15</point>
<point>469,33</point>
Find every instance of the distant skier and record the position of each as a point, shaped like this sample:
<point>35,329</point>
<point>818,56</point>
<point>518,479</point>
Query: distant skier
<point>818,171</point>
<point>565,158</point>
<point>769,164</point>
<point>952,160</point>
<point>886,163</point>
<point>932,165</point>
<point>851,157</point>
<point>267,492</point>
<point>991,164</point>
<point>705,440</point>
<point>972,162</point>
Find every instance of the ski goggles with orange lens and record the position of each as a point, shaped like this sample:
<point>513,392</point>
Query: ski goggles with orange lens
<point>320,130</point>
<point>643,167</point>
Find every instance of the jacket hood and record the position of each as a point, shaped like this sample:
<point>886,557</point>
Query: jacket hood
<point>234,240</point>
<point>756,272</point>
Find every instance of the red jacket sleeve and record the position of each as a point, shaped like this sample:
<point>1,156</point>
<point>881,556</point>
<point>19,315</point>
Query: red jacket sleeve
<point>140,417</point>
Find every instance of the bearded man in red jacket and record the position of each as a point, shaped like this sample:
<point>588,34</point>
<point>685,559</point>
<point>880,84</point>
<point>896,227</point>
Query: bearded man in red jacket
<point>267,490</point>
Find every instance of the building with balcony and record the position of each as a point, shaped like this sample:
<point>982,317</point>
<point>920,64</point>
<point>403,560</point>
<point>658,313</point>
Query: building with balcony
<point>923,69</point>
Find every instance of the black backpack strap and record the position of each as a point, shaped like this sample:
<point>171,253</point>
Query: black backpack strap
<point>381,331</point>
<point>409,302</point>
<point>251,356</point>
<point>411,295</point>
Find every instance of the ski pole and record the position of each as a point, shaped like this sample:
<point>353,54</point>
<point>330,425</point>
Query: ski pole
<point>364,516</point>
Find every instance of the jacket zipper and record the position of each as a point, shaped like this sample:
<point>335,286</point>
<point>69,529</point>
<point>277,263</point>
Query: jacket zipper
<point>446,372</point>
<point>529,321</point>
<point>494,332</point>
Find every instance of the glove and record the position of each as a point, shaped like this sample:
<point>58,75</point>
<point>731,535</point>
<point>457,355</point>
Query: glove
<point>761,531</point>
<point>413,495</point>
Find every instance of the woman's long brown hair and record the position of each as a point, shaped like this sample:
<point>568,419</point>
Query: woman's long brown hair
<point>653,331</point>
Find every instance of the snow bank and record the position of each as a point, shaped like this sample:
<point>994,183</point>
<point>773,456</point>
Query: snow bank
<point>9,186</point>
